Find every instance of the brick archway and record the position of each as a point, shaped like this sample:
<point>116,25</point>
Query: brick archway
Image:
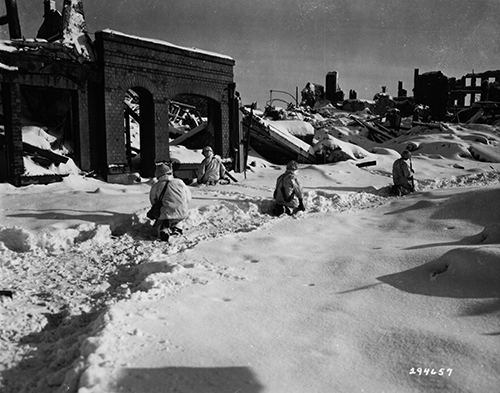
<point>164,70</point>
<point>212,110</point>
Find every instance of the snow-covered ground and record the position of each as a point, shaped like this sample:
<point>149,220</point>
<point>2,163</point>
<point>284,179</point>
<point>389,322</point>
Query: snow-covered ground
<point>362,292</point>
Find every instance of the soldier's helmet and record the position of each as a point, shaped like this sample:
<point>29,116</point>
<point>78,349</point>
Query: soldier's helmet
<point>292,166</point>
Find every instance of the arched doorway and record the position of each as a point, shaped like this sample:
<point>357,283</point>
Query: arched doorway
<point>195,121</point>
<point>139,130</point>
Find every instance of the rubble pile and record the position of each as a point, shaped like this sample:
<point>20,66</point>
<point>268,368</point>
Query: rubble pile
<point>354,129</point>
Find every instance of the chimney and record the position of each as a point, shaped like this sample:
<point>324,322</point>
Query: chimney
<point>331,86</point>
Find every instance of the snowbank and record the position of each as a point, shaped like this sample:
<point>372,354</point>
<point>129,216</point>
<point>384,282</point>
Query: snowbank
<point>56,241</point>
<point>461,272</point>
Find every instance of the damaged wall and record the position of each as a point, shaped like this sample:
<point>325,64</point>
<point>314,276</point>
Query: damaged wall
<point>443,94</point>
<point>431,89</point>
<point>46,70</point>
<point>162,71</point>
<point>468,89</point>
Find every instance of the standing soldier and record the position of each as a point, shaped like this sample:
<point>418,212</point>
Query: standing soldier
<point>288,194</point>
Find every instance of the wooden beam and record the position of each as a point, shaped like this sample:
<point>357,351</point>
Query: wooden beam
<point>50,155</point>
<point>366,163</point>
<point>385,129</point>
<point>129,111</point>
<point>373,129</point>
<point>189,134</point>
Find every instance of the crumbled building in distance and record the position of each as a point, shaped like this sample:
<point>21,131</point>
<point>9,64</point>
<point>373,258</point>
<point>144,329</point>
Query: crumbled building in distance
<point>449,95</point>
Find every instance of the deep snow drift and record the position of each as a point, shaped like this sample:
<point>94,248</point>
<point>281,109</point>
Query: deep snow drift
<point>362,292</point>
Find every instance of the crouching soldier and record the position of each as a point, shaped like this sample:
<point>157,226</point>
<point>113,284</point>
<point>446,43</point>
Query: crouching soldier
<point>288,194</point>
<point>402,176</point>
<point>211,168</point>
<point>175,197</point>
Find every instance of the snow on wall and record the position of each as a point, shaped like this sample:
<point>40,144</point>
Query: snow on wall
<point>165,43</point>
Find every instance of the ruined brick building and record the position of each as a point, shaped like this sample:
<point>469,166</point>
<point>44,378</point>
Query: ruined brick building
<point>449,95</point>
<point>77,85</point>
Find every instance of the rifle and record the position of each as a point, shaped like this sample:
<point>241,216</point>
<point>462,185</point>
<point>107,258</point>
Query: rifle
<point>231,177</point>
<point>412,180</point>
<point>247,139</point>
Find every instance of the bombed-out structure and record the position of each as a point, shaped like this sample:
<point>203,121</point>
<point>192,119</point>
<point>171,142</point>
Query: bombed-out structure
<point>445,96</point>
<point>87,92</point>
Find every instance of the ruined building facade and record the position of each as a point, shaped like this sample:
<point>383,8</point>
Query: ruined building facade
<point>82,96</point>
<point>445,95</point>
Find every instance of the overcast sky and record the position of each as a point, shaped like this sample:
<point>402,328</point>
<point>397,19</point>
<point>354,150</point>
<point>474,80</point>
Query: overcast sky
<point>280,44</point>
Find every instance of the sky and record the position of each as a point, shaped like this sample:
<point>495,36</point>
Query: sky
<point>283,44</point>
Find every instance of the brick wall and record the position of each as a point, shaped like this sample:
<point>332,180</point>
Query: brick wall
<point>11,84</point>
<point>163,71</point>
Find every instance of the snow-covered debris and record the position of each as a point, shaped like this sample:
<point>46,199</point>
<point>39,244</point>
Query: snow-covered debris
<point>298,128</point>
<point>334,149</point>
<point>38,137</point>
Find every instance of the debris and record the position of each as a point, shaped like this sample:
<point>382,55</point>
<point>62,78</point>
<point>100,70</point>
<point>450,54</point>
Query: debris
<point>366,163</point>
<point>48,154</point>
<point>298,128</point>
<point>376,134</point>
<point>307,95</point>
<point>484,153</point>
<point>393,116</point>
<point>385,129</point>
<point>274,143</point>
<point>382,103</point>
<point>428,125</point>
<point>482,112</point>
<point>189,134</point>
<point>6,293</point>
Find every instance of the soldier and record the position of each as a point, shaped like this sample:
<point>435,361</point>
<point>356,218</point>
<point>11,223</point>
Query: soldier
<point>175,197</point>
<point>402,175</point>
<point>211,169</point>
<point>288,194</point>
